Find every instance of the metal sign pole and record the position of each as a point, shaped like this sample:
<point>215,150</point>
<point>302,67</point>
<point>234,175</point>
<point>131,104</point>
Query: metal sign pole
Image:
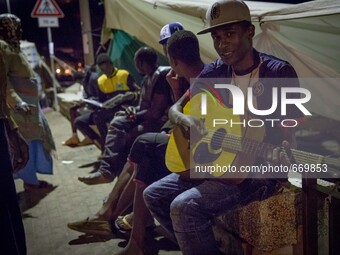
<point>51,51</point>
<point>48,12</point>
<point>8,6</point>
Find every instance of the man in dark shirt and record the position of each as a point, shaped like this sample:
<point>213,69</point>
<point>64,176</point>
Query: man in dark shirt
<point>185,206</point>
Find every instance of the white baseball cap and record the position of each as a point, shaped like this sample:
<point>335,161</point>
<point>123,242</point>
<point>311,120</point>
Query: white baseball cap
<point>168,30</point>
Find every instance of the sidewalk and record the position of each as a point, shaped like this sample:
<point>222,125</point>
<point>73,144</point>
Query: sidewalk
<point>46,213</point>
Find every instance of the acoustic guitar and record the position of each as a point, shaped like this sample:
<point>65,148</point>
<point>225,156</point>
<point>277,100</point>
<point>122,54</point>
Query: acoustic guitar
<point>226,145</point>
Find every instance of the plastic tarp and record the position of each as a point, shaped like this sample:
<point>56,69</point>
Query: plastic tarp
<point>307,35</point>
<point>122,50</point>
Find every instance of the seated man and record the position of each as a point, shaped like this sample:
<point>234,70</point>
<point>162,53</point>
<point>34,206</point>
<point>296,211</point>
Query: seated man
<point>148,151</point>
<point>90,85</point>
<point>109,86</point>
<point>146,147</point>
<point>146,157</point>
<point>148,116</point>
<point>185,206</point>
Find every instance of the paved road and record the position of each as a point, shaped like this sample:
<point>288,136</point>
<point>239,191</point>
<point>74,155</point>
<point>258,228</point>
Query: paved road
<point>46,213</point>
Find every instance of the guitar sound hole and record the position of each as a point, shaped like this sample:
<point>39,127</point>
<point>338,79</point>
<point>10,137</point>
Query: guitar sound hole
<point>217,138</point>
<point>205,155</point>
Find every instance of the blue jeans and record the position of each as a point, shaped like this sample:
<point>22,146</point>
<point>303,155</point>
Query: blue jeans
<point>185,208</point>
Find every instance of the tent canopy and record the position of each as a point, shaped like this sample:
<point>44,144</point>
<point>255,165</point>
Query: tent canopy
<point>307,35</point>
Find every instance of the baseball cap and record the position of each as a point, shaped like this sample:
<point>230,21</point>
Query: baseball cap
<point>168,30</point>
<point>226,12</point>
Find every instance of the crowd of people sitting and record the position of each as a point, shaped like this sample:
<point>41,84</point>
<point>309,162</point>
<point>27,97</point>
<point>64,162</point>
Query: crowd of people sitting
<point>137,137</point>
<point>144,143</point>
<point>134,128</point>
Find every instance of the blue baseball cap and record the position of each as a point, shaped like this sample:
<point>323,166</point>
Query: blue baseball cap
<point>168,30</point>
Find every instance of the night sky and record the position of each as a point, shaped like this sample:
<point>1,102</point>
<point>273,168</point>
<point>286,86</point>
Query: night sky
<point>67,38</point>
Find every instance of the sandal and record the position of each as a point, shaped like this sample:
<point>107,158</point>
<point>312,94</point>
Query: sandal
<point>40,185</point>
<point>124,223</point>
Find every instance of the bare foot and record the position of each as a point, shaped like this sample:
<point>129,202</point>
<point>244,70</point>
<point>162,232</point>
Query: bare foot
<point>105,212</point>
<point>99,217</point>
<point>86,141</point>
<point>91,226</point>
<point>96,178</point>
<point>41,185</point>
<point>73,141</point>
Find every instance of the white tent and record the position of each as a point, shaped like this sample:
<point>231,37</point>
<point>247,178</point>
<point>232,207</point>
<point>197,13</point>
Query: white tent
<point>307,35</point>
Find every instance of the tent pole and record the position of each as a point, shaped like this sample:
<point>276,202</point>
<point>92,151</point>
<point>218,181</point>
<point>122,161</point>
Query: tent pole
<point>86,32</point>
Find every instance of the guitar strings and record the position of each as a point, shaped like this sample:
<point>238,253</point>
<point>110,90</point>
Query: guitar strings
<point>238,143</point>
<point>300,156</point>
<point>235,142</point>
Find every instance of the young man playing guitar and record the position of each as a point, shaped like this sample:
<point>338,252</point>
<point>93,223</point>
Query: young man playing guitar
<point>184,206</point>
